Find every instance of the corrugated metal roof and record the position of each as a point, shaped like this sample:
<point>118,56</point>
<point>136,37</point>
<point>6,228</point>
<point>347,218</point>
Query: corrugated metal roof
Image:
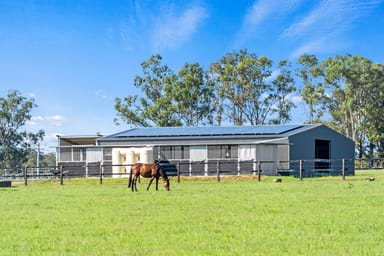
<point>205,131</point>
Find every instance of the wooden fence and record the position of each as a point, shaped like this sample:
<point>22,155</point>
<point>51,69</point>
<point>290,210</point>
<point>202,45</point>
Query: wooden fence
<point>218,168</point>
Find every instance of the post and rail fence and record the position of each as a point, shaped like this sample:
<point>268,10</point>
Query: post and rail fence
<point>212,168</point>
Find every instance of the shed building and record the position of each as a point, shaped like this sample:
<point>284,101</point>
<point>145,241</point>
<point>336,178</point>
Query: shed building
<point>276,149</point>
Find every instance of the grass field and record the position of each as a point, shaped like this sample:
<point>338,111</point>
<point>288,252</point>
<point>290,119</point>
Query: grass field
<point>238,216</point>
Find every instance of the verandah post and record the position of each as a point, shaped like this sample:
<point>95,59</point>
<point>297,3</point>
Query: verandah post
<point>343,168</point>
<point>218,171</point>
<point>258,170</point>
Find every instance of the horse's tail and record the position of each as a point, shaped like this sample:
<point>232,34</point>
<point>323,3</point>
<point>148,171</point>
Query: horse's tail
<point>130,178</point>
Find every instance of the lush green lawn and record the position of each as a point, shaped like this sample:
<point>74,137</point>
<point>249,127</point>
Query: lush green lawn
<point>319,216</point>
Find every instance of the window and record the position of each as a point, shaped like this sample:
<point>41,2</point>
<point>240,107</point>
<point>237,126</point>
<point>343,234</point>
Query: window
<point>222,151</point>
<point>173,152</point>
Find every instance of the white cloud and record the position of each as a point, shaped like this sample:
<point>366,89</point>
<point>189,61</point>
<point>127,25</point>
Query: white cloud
<point>171,30</point>
<point>101,94</point>
<point>51,136</point>
<point>324,26</point>
<point>311,47</point>
<point>275,73</point>
<point>31,123</point>
<point>160,26</point>
<point>260,12</point>
<point>55,120</point>
<point>50,142</point>
<point>37,118</point>
<point>296,99</point>
<point>328,16</point>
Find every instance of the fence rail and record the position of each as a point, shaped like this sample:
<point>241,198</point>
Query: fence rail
<point>213,168</point>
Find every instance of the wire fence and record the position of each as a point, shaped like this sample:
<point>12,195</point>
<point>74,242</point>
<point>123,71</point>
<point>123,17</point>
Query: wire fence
<point>213,168</point>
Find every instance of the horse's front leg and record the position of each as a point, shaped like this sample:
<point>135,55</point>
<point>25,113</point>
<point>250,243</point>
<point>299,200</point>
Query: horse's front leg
<point>134,184</point>
<point>150,182</point>
<point>157,183</point>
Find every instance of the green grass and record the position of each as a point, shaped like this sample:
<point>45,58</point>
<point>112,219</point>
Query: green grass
<point>318,216</point>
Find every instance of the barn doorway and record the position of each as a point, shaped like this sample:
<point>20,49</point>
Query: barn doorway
<point>322,152</point>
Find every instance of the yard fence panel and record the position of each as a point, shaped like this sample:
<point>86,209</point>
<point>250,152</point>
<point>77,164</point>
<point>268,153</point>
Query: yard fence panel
<point>210,168</point>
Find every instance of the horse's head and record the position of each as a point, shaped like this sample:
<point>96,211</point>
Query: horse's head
<point>167,184</point>
<point>164,176</point>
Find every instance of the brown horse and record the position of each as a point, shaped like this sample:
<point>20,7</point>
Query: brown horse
<point>153,171</point>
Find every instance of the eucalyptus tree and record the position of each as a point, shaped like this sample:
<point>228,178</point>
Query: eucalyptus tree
<point>356,106</point>
<point>223,74</point>
<point>192,97</point>
<point>245,94</point>
<point>259,95</point>
<point>15,140</point>
<point>284,85</point>
<point>154,108</point>
<point>313,91</point>
<point>376,107</point>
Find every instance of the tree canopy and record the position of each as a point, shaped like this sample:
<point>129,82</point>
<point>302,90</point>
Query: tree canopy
<point>15,140</point>
<point>241,88</point>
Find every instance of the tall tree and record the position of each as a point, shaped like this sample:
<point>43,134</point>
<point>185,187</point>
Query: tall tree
<point>313,91</point>
<point>356,104</point>
<point>259,95</point>
<point>244,93</point>
<point>284,84</point>
<point>154,108</point>
<point>191,95</point>
<point>224,75</point>
<point>376,107</point>
<point>15,140</point>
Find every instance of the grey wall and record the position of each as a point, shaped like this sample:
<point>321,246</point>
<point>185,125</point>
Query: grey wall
<point>303,145</point>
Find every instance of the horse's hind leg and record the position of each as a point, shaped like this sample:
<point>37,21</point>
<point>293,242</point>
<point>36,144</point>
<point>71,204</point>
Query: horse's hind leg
<point>157,184</point>
<point>130,180</point>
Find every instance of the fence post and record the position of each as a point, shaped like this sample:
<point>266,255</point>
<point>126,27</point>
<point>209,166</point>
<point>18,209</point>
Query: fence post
<point>301,169</point>
<point>101,173</point>
<point>258,170</point>
<point>218,171</point>
<point>25,176</point>
<point>178,172</point>
<point>61,175</point>
<point>343,168</point>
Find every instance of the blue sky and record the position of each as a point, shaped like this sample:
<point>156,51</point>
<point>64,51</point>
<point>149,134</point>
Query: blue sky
<point>76,56</point>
